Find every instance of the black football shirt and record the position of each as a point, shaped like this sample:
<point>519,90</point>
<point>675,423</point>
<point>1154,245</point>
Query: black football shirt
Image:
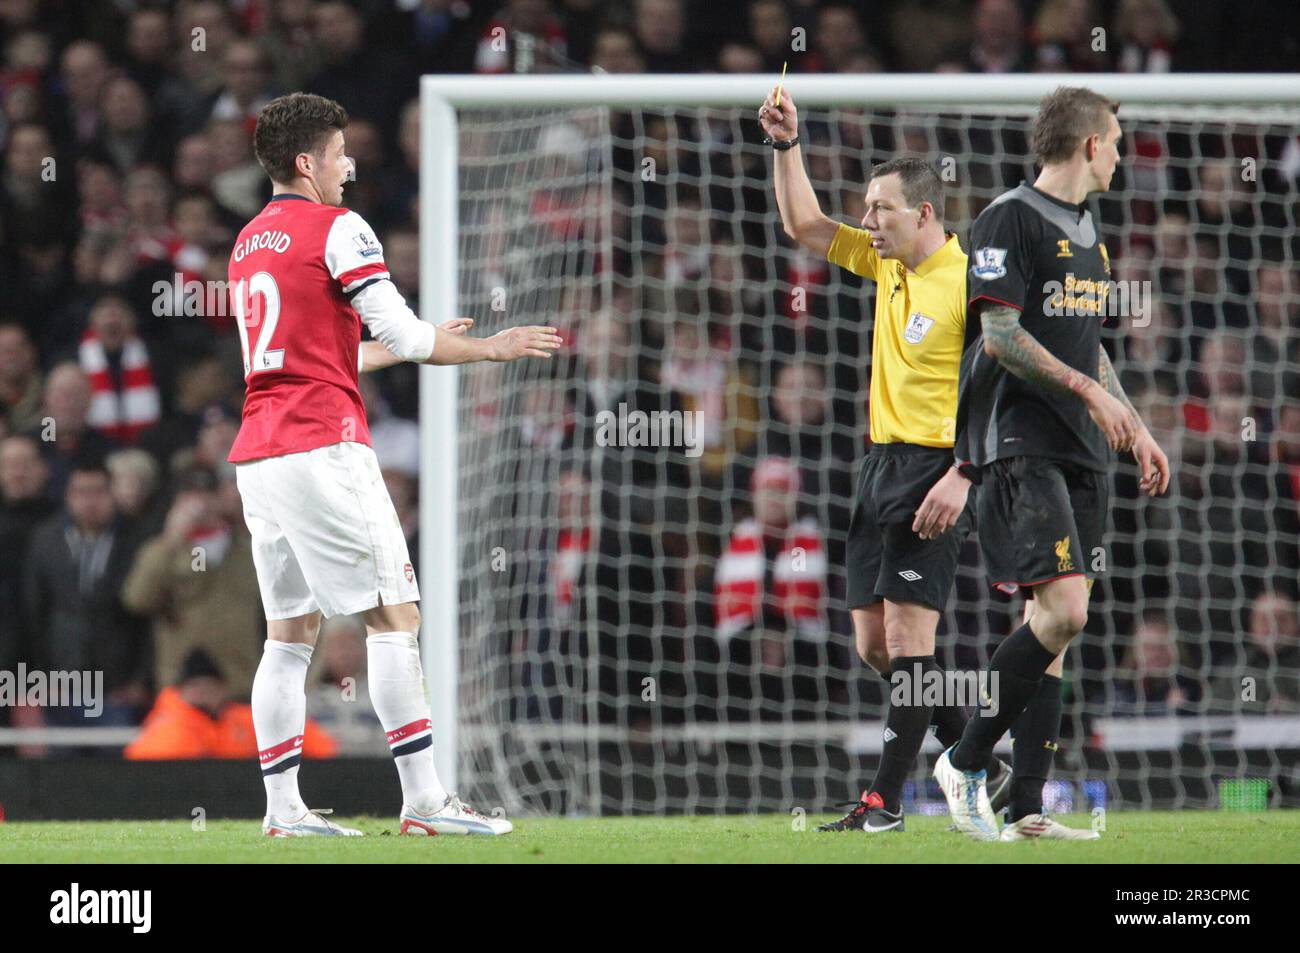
<point>1041,256</point>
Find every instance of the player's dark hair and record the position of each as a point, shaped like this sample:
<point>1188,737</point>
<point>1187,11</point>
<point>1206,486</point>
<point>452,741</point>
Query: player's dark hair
<point>919,179</point>
<point>291,125</point>
<point>1067,116</point>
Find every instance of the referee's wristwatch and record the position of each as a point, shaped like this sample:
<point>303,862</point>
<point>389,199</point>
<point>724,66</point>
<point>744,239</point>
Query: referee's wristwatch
<point>781,145</point>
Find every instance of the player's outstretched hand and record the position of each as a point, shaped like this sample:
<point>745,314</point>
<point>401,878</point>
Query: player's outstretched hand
<point>1116,421</point>
<point>779,122</point>
<point>528,341</point>
<point>942,506</point>
<point>1153,465</point>
<point>456,325</point>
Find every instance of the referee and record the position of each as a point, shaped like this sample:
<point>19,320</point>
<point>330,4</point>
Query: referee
<point>898,579</point>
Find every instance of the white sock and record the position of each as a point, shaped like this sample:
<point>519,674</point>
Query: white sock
<point>396,683</point>
<point>279,719</point>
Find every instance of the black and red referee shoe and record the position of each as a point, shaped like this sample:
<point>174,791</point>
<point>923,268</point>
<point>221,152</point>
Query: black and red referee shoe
<point>868,815</point>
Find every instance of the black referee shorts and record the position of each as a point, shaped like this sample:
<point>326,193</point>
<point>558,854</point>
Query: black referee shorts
<point>885,559</point>
<point>1040,519</point>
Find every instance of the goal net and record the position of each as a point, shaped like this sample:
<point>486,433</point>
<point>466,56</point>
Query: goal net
<point>648,589</point>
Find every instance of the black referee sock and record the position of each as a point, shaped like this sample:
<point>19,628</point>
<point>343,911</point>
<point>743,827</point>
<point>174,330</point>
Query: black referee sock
<point>1035,733</point>
<point>905,727</point>
<point>1014,673</point>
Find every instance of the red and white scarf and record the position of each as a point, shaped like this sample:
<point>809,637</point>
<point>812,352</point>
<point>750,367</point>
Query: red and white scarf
<point>571,550</point>
<point>120,415</point>
<point>798,579</point>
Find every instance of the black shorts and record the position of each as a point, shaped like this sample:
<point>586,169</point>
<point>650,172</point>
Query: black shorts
<point>885,559</point>
<point>1040,520</point>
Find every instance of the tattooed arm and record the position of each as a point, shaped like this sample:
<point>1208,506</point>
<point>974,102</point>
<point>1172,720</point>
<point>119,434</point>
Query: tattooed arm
<point>1020,353</point>
<point>1108,379</point>
<point>1152,462</point>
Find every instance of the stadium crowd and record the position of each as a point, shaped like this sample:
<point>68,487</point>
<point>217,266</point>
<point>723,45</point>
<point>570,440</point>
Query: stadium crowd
<point>128,169</point>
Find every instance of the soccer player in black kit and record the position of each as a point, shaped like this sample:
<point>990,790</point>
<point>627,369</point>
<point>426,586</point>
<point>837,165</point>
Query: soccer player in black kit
<point>1040,412</point>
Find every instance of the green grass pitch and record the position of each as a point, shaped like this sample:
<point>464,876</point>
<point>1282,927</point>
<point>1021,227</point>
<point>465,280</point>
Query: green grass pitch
<point>1131,837</point>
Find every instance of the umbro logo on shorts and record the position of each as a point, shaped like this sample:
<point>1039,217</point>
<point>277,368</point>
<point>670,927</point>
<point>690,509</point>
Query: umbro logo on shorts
<point>909,575</point>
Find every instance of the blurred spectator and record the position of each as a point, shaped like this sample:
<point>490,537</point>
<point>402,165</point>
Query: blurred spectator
<point>1064,37</point>
<point>1218,375</point>
<point>20,381</point>
<point>218,427</point>
<point>1275,341</point>
<point>699,370</point>
<point>36,205</point>
<point>740,58</point>
<point>135,482</point>
<point>404,490</point>
<point>396,440</point>
<point>64,432</point>
<point>201,383</point>
<point>399,181</point>
<point>195,582</point>
<point>660,28</point>
<point>574,541</point>
<point>1267,679</point>
<point>1287,443</point>
<point>524,37</point>
<point>195,719</point>
<point>800,430</point>
<point>339,698</point>
<point>24,504</point>
<point>999,39</point>
<point>201,31</point>
<point>290,42</point>
<point>247,85</point>
<point>841,45</point>
<point>74,619</point>
<point>367,86</point>
<point>84,71</point>
<point>127,134</point>
<point>1151,679</point>
<point>615,51</point>
<point>124,399</point>
<point>238,182</point>
<point>1147,31</point>
<point>772,576</point>
<point>770,31</point>
<point>442,34</point>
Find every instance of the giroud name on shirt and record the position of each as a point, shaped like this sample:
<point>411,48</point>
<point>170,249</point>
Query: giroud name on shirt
<point>303,277</point>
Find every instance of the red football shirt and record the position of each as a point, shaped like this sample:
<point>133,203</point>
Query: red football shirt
<point>293,272</point>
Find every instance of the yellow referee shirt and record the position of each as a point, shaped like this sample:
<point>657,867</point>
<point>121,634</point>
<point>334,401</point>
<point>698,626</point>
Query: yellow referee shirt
<point>917,341</point>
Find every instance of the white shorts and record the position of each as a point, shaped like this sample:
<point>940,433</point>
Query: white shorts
<point>325,533</point>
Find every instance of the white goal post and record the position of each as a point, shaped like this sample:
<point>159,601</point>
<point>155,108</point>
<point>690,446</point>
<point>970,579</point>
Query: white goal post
<point>443,100</point>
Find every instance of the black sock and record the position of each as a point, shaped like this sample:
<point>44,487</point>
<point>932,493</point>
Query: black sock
<point>949,721</point>
<point>1035,733</point>
<point>905,727</point>
<point>1014,673</point>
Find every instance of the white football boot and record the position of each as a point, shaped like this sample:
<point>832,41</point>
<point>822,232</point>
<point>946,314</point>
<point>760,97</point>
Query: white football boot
<point>968,799</point>
<point>1042,827</point>
<point>454,817</point>
<point>311,824</point>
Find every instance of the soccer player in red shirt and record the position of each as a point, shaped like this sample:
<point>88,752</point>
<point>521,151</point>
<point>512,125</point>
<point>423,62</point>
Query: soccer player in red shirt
<point>305,274</point>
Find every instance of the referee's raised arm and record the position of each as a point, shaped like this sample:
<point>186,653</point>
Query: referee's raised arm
<point>801,215</point>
